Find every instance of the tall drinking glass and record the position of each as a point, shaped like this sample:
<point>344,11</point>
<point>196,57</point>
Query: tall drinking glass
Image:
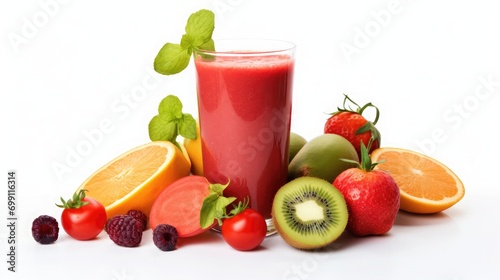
<point>245,102</point>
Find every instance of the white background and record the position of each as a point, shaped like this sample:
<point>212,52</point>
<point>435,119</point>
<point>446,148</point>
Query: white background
<point>432,68</point>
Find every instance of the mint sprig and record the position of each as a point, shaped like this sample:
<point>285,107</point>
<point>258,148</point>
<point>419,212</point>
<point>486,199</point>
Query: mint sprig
<point>215,204</point>
<point>171,122</point>
<point>173,58</point>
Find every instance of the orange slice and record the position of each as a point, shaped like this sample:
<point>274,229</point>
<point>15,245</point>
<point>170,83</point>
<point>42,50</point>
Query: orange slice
<point>426,185</point>
<point>134,179</point>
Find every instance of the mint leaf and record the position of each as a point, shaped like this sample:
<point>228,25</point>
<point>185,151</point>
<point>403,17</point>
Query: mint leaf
<point>171,121</point>
<point>171,59</point>
<point>187,127</point>
<point>218,188</point>
<point>188,43</point>
<point>161,128</point>
<point>207,212</point>
<point>221,204</point>
<point>214,206</point>
<point>171,107</point>
<point>200,25</point>
<point>208,45</point>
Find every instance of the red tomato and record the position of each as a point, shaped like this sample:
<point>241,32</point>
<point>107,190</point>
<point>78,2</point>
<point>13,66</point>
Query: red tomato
<point>83,219</point>
<point>244,231</point>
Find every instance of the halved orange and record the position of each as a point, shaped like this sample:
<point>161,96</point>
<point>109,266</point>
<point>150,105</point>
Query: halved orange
<point>134,179</point>
<point>426,185</point>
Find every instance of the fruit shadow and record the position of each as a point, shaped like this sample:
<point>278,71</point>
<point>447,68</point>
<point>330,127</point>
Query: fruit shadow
<point>204,238</point>
<point>410,219</point>
<point>348,240</point>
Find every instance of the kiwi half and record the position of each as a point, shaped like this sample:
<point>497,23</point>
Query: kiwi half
<point>309,213</point>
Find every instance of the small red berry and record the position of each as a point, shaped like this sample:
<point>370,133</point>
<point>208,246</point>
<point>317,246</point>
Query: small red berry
<point>125,231</point>
<point>165,237</point>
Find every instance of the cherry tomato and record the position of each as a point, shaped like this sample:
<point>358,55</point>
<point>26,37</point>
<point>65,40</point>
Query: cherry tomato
<point>83,218</point>
<point>244,231</point>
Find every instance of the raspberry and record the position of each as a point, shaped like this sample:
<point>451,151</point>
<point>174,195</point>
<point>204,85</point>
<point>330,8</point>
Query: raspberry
<point>165,237</point>
<point>125,230</point>
<point>139,216</point>
<point>45,229</point>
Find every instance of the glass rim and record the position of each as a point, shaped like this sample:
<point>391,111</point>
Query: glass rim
<point>256,46</point>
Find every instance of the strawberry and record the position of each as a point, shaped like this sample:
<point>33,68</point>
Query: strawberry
<point>351,125</point>
<point>372,197</point>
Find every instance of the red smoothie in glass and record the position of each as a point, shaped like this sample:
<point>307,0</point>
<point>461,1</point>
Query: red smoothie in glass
<point>244,109</point>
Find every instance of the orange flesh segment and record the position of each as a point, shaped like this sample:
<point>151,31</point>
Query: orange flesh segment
<point>426,185</point>
<point>419,176</point>
<point>127,173</point>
